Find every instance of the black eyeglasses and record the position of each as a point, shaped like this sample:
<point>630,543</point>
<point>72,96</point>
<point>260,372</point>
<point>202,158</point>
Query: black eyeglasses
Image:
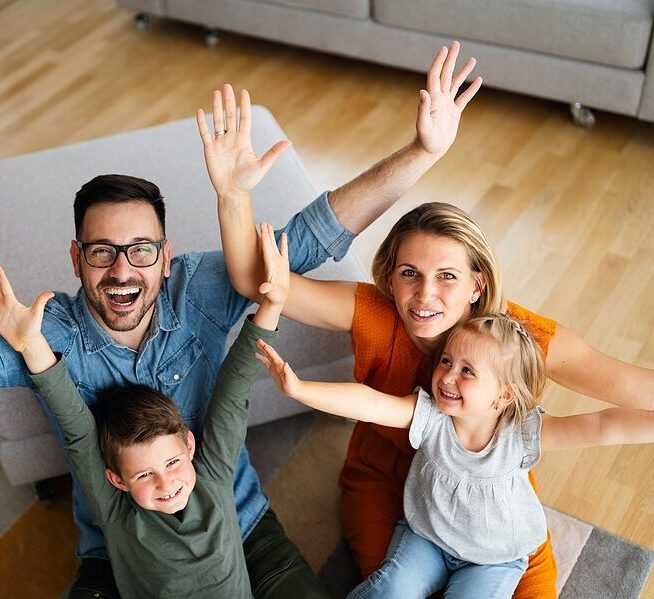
<point>104,255</point>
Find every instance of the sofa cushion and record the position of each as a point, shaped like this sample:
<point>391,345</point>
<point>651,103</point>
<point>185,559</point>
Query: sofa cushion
<point>348,8</point>
<point>600,31</point>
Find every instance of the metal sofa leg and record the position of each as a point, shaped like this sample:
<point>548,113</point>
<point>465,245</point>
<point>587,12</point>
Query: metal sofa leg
<point>582,116</point>
<point>142,21</point>
<point>211,36</point>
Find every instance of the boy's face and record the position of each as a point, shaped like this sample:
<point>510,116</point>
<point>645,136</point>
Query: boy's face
<point>159,475</point>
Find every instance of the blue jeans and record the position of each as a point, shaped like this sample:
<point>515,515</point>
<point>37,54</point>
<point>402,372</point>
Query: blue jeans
<point>416,567</point>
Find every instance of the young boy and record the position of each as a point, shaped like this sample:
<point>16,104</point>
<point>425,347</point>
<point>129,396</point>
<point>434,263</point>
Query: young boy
<point>166,507</point>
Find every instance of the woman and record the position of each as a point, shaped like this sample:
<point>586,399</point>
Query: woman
<point>434,269</point>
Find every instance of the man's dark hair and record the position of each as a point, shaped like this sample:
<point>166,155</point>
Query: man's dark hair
<point>117,189</point>
<point>129,415</point>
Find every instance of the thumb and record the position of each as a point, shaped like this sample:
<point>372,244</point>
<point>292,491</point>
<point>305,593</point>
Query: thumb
<point>39,303</point>
<point>424,108</point>
<point>273,153</point>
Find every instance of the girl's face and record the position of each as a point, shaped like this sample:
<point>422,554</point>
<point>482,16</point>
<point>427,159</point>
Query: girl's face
<point>432,285</point>
<point>464,383</point>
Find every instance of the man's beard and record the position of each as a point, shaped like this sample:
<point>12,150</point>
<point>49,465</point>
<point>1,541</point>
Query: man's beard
<point>116,321</point>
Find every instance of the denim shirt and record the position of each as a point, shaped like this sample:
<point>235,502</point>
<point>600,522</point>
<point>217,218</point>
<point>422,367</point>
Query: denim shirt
<point>181,353</point>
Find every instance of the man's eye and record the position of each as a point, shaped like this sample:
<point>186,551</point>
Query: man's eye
<point>141,249</point>
<point>102,251</point>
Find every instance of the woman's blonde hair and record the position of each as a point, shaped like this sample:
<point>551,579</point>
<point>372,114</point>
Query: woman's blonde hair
<point>515,359</point>
<point>444,220</point>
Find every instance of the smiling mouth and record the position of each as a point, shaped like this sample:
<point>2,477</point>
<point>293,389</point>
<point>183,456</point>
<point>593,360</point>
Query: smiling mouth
<point>424,315</point>
<point>171,496</point>
<point>450,396</point>
<point>122,296</point>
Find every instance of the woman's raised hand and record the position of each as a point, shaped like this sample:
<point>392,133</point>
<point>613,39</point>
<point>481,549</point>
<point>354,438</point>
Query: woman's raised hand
<point>20,325</point>
<point>439,111</point>
<point>231,162</point>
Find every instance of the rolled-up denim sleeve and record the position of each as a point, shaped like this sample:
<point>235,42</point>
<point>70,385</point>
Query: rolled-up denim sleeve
<point>13,372</point>
<point>315,235</point>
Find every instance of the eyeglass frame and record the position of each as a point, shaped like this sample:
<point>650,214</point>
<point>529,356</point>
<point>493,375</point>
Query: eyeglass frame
<point>120,249</point>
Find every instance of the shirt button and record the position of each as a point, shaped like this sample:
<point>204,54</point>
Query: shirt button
<point>176,377</point>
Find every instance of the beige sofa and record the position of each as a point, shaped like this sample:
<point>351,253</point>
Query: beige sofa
<point>593,52</point>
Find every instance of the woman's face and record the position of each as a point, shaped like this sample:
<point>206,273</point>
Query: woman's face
<point>432,285</point>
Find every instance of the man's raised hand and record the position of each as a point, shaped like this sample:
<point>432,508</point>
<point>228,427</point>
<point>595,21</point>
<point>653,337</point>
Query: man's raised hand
<point>20,325</point>
<point>232,164</point>
<point>439,111</point>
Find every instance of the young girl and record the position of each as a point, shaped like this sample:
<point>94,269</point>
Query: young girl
<point>472,517</point>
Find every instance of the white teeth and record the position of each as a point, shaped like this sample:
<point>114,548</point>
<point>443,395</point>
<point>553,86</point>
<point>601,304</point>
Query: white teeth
<point>450,395</point>
<point>424,313</point>
<point>122,290</point>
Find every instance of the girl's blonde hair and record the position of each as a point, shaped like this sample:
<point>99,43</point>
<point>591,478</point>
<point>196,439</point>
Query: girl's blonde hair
<point>444,220</point>
<point>514,356</point>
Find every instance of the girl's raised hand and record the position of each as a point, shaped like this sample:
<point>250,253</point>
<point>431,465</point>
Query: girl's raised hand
<point>285,379</point>
<point>20,325</point>
<point>275,287</point>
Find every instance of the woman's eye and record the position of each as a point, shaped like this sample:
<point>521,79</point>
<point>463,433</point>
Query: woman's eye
<point>447,276</point>
<point>409,272</point>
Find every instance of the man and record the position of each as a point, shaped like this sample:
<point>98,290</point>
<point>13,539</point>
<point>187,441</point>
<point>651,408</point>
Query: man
<point>142,316</point>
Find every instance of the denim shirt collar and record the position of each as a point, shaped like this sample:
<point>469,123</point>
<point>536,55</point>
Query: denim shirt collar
<point>95,338</point>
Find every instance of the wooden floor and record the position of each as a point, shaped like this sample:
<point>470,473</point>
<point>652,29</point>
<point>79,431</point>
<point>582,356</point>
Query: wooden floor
<point>570,211</point>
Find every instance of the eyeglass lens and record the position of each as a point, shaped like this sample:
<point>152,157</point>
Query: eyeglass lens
<point>142,254</point>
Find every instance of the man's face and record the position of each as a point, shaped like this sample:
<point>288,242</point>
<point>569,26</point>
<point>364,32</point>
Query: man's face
<point>121,297</point>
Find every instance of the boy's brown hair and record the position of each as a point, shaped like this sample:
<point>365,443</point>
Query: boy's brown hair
<point>129,415</point>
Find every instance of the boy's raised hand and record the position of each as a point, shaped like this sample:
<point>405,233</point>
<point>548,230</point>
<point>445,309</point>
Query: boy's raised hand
<point>20,325</point>
<point>232,164</point>
<point>276,285</point>
<point>439,111</point>
<point>282,374</point>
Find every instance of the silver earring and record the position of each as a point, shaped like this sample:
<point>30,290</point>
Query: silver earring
<point>474,298</point>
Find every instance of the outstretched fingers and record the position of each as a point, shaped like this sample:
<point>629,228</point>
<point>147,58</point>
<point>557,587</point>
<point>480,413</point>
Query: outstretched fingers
<point>201,120</point>
<point>229,101</point>
<point>218,111</point>
<point>245,116</point>
<point>448,67</point>
<point>469,93</point>
<point>6,292</point>
<point>434,72</point>
<point>269,356</point>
